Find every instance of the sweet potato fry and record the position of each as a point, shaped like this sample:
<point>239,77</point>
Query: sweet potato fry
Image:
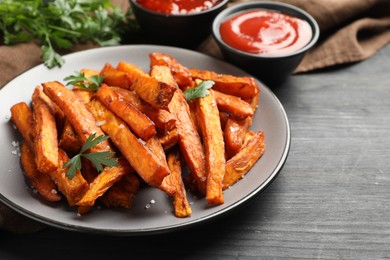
<point>123,192</point>
<point>138,122</point>
<point>81,119</point>
<point>103,182</point>
<point>156,93</point>
<point>22,117</point>
<point>69,140</point>
<point>180,73</point>
<point>169,139</point>
<point>236,129</point>
<point>114,77</point>
<point>163,73</point>
<point>163,120</point>
<point>73,189</point>
<point>189,140</point>
<point>180,203</point>
<point>139,156</point>
<point>243,161</point>
<point>244,87</point>
<point>234,105</point>
<point>45,142</point>
<point>40,181</point>
<point>210,127</point>
<point>234,134</point>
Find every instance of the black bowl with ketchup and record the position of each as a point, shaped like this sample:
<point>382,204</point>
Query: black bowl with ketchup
<point>181,23</point>
<point>267,39</point>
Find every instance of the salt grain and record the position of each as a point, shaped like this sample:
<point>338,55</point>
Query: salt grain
<point>100,123</point>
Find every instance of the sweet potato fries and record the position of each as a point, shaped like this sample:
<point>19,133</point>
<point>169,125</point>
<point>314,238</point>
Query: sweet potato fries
<point>100,145</point>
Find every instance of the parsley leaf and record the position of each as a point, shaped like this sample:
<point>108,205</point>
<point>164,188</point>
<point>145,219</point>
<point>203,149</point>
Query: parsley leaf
<point>201,90</point>
<point>99,159</point>
<point>60,24</point>
<point>79,80</point>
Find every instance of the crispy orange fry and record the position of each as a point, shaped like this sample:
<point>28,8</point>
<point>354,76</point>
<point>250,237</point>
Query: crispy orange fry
<point>69,140</point>
<point>40,181</point>
<point>234,134</point>
<point>45,142</point>
<point>114,77</point>
<point>81,119</point>
<point>180,203</point>
<point>233,105</point>
<point>163,120</point>
<point>103,182</point>
<point>73,189</point>
<point>163,73</point>
<point>169,139</point>
<point>123,192</point>
<point>189,140</point>
<point>138,122</point>
<point>244,87</point>
<point>181,74</point>
<point>22,117</point>
<point>139,156</point>
<point>210,126</point>
<point>158,94</point>
<point>243,161</point>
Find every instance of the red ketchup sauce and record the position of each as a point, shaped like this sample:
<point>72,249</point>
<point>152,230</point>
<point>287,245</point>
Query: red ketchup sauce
<point>178,6</point>
<point>265,32</point>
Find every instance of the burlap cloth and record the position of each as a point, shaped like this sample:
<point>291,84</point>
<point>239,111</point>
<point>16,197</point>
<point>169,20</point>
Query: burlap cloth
<point>351,31</point>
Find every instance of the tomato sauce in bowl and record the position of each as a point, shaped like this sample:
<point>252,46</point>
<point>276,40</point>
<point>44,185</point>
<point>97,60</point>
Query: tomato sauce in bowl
<point>178,6</point>
<point>265,32</point>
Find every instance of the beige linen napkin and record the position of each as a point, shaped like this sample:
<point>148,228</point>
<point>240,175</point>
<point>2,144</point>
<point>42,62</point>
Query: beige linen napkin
<point>351,31</point>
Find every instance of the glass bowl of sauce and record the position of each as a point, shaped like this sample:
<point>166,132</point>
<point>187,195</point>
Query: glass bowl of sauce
<point>181,23</point>
<point>267,39</point>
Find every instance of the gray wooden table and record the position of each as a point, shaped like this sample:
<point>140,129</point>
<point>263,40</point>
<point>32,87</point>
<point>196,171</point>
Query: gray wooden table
<point>330,201</point>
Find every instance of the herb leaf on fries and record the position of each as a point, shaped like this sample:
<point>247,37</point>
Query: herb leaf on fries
<point>97,158</point>
<point>201,90</point>
<point>81,81</point>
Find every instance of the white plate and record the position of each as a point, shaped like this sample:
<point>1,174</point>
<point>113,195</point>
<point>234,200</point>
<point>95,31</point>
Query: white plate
<point>15,192</point>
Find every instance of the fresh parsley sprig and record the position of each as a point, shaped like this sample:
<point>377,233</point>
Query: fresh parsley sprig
<point>81,81</point>
<point>201,90</point>
<point>60,24</point>
<point>99,159</point>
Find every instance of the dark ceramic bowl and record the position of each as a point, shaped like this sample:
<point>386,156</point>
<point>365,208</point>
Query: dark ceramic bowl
<point>181,30</point>
<point>271,69</point>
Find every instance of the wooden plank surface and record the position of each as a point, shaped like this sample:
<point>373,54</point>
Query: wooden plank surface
<point>331,200</point>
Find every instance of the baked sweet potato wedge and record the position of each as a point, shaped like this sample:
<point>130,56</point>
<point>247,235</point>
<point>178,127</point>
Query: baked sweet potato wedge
<point>189,140</point>
<point>46,137</point>
<point>105,180</point>
<point>138,155</point>
<point>122,193</point>
<point>74,188</point>
<point>180,73</point>
<point>163,120</point>
<point>243,161</point>
<point>233,105</point>
<point>212,136</point>
<point>115,77</point>
<point>156,93</point>
<point>138,122</point>
<point>41,182</point>
<point>244,87</point>
<point>181,206</point>
<point>22,117</point>
<point>81,119</point>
